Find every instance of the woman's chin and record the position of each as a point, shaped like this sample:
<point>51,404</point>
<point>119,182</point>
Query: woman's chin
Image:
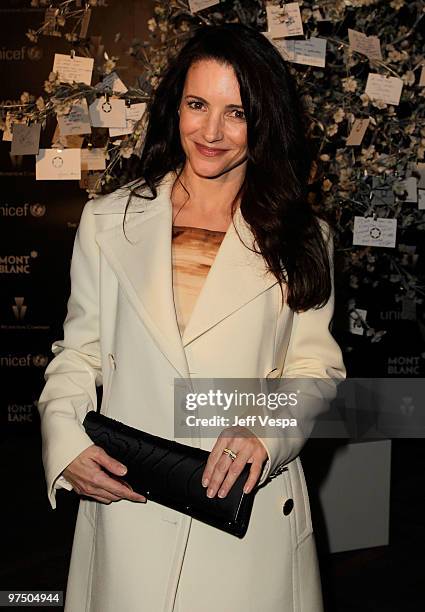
<point>209,169</point>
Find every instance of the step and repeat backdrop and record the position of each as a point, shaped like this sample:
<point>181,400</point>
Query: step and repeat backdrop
<point>39,218</point>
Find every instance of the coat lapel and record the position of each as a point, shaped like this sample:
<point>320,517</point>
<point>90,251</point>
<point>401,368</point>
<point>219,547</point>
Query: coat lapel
<point>143,265</point>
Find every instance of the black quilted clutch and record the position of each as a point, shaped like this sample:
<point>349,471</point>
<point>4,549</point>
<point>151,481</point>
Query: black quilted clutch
<point>169,473</point>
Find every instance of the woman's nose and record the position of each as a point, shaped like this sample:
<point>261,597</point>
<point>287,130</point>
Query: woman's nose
<point>213,127</point>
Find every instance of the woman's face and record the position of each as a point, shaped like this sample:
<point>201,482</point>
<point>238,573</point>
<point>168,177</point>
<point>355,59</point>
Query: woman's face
<point>213,128</point>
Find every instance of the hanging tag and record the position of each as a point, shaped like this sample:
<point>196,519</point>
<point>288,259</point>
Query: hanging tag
<point>25,139</point>
<point>73,68</point>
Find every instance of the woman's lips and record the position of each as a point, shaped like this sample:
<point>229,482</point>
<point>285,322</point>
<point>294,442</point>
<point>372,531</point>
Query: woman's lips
<point>209,152</point>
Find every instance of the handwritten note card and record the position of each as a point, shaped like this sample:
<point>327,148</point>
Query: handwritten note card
<point>70,69</point>
<point>10,121</point>
<point>285,21</point>
<point>77,121</point>
<point>198,5</point>
<point>410,186</point>
<point>311,52</point>
<point>108,113</point>
<point>368,45</point>
<point>58,164</point>
<point>374,232</point>
<point>66,142</point>
<point>25,139</point>
<point>387,89</point>
<point>355,325</point>
<point>357,132</point>
<point>382,192</point>
<point>132,113</point>
<point>93,159</point>
<point>113,81</point>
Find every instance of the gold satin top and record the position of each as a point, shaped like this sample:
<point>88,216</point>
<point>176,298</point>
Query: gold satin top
<point>193,252</point>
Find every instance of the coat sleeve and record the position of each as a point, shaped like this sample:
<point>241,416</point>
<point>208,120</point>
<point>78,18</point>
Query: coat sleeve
<point>315,360</point>
<point>75,371</point>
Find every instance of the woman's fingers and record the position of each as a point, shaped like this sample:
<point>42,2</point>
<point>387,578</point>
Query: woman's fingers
<point>221,472</point>
<point>88,477</point>
<point>114,488</point>
<point>226,472</point>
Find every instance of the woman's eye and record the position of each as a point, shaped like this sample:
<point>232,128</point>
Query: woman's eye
<point>240,114</point>
<point>194,102</point>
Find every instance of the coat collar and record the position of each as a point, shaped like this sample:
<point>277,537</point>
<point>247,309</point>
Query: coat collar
<point>143,265</point>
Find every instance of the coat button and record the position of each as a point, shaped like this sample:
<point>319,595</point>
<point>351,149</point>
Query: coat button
<point>287,506</point>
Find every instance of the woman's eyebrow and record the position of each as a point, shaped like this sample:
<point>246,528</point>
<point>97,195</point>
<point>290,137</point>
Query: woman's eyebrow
<point>203,100</point>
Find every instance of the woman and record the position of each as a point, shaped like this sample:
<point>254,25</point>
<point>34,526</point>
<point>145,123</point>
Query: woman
<point>216,233</point>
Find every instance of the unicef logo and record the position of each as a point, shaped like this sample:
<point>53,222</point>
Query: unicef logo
<point>34,53</point>
<point>40,361</point>
<point>38,210</point>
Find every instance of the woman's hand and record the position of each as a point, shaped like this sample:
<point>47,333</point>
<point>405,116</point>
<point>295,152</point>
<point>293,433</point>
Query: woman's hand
<point>221,471</point>
<point>87,477</point>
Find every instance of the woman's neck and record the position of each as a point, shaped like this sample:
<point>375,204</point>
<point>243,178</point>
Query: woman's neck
<point>208,203</point>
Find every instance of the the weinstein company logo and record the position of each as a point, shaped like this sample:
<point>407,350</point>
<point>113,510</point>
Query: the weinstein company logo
<point>20,312</point>
<point>19,309</point>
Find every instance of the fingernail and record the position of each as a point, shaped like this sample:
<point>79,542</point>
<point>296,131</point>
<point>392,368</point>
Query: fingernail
<point>205,482</point>
<point>210,493</point>
<point>246,489</point>
<point>123,469</point>
<point>222,493</point>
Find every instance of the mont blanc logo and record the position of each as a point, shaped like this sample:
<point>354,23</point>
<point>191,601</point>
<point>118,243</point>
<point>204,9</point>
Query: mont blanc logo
<point>21,413</point>
<point>404,365</point>
<point>19,308</point>
<point>17,264</point>
<point>22,210</point>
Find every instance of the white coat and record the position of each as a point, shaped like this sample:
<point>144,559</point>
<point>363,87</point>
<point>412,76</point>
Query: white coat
<point>121,331</point>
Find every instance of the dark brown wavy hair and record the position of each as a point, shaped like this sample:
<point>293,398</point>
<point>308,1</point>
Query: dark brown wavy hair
<point>273,194</point>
